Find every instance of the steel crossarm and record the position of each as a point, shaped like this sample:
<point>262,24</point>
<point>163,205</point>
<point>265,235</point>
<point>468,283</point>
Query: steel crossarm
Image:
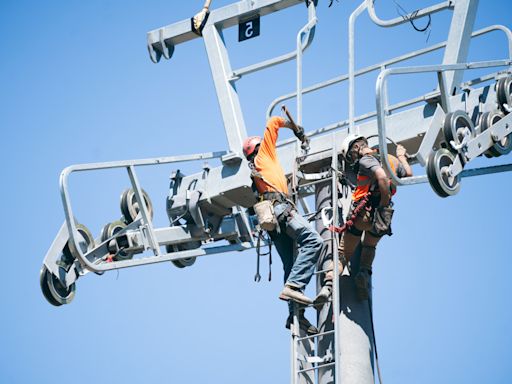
<point>129,165</point>
<point>381,104</point>
<point>225,17</point>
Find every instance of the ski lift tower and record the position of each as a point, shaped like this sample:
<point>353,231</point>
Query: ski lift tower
<point>443,130</point>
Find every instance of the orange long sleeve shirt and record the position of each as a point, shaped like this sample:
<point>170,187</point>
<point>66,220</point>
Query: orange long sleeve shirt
<point>267,162</point>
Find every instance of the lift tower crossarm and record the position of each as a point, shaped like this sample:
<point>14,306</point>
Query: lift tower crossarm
<point>162,41</point>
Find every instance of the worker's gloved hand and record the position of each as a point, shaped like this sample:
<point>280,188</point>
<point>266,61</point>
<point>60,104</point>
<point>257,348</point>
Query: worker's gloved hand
<point>305,144</point>
<point>401,151</point>
<point>199,20</point>
<point>298,130</point>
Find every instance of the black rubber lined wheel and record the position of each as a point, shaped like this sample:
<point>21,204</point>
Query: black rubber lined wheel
<point>130,206</point>
<point>502,147</point>
<point>437,171</point>
<point>43,282</point>
<point>183,263</point>
<point>108,231</point>
<point>53,290</point>
<point>456,125</point>
<point>504,93</point>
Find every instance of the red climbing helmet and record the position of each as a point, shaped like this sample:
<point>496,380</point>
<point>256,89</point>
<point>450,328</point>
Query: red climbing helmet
<point>250,145</point>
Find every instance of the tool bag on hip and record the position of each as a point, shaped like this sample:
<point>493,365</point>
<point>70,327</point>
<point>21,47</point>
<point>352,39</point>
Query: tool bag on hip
<point>382,217</point>
<point>265,213</point>
<point>265,209</point>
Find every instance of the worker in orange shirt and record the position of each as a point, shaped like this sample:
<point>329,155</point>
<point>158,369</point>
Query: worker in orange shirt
<point>271,184</point>
<point>372,219</point>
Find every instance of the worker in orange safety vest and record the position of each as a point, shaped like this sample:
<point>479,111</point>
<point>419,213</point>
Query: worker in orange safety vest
<point>371,210</point>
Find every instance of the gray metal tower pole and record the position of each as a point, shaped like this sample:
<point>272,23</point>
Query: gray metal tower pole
<point>354,328</point>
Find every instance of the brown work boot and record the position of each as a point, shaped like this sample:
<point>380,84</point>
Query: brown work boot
<point>304,324</point>
<point>294,294</point>
<point>362,281</point>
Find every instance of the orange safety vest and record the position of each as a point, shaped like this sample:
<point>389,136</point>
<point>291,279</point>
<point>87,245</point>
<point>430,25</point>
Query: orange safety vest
<point>364,183</point>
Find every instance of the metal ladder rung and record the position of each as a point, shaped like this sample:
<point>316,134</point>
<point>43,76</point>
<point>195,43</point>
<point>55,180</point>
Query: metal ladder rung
<point>309,184</point>
<point>316,335</point>
<point>314,359</point>
<point>315,368</point>
<point>323,270</point>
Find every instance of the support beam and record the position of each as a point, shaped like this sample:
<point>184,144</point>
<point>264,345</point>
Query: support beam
<point>459,37</point>
<point>227,96</point>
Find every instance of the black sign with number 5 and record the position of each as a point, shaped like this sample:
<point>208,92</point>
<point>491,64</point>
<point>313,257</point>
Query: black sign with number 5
<point>249,29</point>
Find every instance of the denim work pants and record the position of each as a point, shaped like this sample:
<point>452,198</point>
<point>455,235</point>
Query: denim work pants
<point>293,227</point>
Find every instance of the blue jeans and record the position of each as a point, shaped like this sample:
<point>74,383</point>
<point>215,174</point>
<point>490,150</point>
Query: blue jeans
<point>294,228</point>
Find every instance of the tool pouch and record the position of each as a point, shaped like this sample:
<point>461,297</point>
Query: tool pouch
<point>265,213</point>
<point>382,221</point>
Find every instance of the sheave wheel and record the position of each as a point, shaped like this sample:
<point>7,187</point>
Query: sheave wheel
<point>437,171</point>
<point>504,93</point>
<point>183,263</point>
<point>43,282</point>
<point>85,241</point>
<point>502,147</point>
<point>130,207</point>
<point>456,126</point>
<point>109,230</point>
<point>53,290</point>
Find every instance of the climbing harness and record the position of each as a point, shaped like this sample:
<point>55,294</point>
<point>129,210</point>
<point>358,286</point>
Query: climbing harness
<point>350,222</point>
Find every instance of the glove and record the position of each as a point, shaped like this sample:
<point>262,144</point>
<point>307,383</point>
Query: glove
<point>400,151</point>
<point>305,144</point>
<point>298,130</point>
<point>199,20</point>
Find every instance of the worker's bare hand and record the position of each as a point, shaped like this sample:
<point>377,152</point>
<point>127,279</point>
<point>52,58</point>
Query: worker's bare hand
<point>401,151</point>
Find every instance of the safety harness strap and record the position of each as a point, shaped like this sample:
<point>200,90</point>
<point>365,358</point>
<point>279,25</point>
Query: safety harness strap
<point>350,222</point>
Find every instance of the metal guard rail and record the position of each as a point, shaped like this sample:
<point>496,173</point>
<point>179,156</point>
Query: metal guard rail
<point>371,68</point>
<point>305,37</point>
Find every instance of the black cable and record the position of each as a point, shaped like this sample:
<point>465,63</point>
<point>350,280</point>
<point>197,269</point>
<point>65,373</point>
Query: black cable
<point>405,15</point>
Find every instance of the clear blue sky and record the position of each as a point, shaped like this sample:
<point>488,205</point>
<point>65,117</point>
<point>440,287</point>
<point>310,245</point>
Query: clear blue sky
<point>76,86</point>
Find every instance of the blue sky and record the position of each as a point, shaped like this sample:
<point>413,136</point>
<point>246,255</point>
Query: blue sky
<point>77,86</point>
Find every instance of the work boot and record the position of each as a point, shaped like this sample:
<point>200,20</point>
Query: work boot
<point>304,323</point>
<point>294,294</point>
<point>362,281</point>
<point>323,296</point>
